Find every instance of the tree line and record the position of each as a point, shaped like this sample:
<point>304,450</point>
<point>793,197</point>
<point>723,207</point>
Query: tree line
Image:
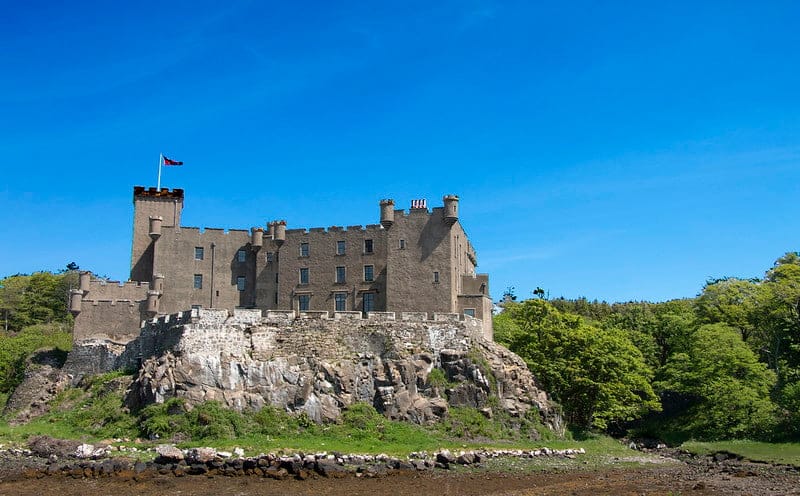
<point>35,315</point>
<point>722,365</point>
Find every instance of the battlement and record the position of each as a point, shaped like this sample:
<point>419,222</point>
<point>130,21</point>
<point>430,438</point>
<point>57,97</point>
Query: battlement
<point>173,319</point>
<point>103,290</point>
<point>103,283</point>
<point>254,316</point>
<point>154,193</point>
<point>111,303</point>
<point>336,229</point>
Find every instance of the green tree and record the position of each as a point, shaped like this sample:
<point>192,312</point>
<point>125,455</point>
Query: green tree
<point>598,375</point>
<point>12,291</point>
<point>732,301</point>
<point>727,388</point>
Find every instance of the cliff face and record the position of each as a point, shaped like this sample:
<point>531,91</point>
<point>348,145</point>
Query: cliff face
<point>321,365</point>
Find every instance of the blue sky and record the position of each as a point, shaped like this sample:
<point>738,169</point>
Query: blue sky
<point>613,150</point>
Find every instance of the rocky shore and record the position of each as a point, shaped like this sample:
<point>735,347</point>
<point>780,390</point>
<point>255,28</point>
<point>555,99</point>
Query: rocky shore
<point>55,458</point>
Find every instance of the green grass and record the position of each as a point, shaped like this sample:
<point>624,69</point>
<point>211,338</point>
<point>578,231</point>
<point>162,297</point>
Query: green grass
<point>95,412</point>
<point>784,453</point>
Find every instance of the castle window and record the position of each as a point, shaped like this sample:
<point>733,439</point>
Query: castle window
<point>198,252</point>
<point>276,298</point>
<point>469,311</point>
<point>304,276</point>
<point>303,302</point>
<point>276,278</point>
<point>340,247</point>
<point>198,281</point>
<point>303,249</point>
<point>436,276</point>
<point>369,302</point>
<point>369,273</point>
<point>367,246</point>
<point>340,275</point>
<point>240,283</point>
<point>341,301</point>
<point>241,256</point>
<point>402,244</point>
<point>269,257</point>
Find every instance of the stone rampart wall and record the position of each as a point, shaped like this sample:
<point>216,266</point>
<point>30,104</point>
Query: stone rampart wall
<point>282,334</point>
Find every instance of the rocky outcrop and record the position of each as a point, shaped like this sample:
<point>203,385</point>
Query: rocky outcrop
<point>320,366</point>
<point>44,379</point>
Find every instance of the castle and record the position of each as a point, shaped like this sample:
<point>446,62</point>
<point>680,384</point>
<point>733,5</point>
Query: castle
<point>413,261</point>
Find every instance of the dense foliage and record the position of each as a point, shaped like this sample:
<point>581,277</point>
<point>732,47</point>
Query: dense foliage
<point>725,364</point>
<point>598,375</point>
<point>34,313</point>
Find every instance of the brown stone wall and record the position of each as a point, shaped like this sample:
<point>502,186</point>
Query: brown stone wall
<point>266,272</point>
<point>322,261</point>
<point>117,321</point>
<point>175,259</point>
<point>410,271</point>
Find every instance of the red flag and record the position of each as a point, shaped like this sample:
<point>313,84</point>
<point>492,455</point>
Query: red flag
<point>171,162</point>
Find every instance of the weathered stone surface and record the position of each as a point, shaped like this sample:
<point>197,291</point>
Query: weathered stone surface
<point>43,380</point>
<point>168,454</point>
<point>319,366</point>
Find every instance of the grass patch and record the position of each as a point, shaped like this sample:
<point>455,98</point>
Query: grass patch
<point>783,453</point>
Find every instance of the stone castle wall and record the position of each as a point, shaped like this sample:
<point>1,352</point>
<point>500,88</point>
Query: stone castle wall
<point>335,336</point>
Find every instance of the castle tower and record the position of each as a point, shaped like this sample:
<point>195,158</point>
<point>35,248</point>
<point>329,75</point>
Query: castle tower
<point>152,210</point>
<point>450,209</point>
<point>387,213</point>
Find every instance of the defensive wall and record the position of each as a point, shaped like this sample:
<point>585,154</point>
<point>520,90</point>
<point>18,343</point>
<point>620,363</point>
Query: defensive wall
<point>279,333</point>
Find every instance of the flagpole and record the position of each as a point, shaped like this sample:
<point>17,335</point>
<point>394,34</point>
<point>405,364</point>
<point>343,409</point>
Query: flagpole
<point>160,160</point>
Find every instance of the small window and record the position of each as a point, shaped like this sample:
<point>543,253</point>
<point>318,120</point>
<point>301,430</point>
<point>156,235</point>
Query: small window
<point>304,301</point>
<point>369,302</point>
<point>436,277</point>
<point>340,247</point>
<point>276,278</point>
<point>240,283</point>
<point>198,281</point>
<point>276,298</point>
<point>341,301</point>
<point>241,256</point>
<point>303,249</point>
<point>340,275</point>
<point>469,311</point>
<point>304,276</point>
<point>369,273</point>
<point>269,257</point>
<point>367,246</point>
<point>402,244</point>
<point>198,252</point>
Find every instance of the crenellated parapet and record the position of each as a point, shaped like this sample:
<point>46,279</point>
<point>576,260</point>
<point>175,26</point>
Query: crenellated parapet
<point>155,193</point>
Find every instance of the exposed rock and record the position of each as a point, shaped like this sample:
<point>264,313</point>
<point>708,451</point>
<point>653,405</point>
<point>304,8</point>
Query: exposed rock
<point>47,447</point>
<point>320,366</point>
<point>168,454</point>
<point>200,455</point>
<point>43,380</point>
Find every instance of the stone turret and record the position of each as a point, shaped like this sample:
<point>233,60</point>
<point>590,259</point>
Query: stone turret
<point>256,238</point>
<point>278,229</point>
<point>387,213</point>
<point>155,227</point>
<point>450,209</point>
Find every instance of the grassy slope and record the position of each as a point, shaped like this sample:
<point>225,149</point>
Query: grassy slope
<point>785,453</point>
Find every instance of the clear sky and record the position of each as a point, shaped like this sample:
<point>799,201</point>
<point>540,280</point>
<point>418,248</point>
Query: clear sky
<point>613,150</point>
